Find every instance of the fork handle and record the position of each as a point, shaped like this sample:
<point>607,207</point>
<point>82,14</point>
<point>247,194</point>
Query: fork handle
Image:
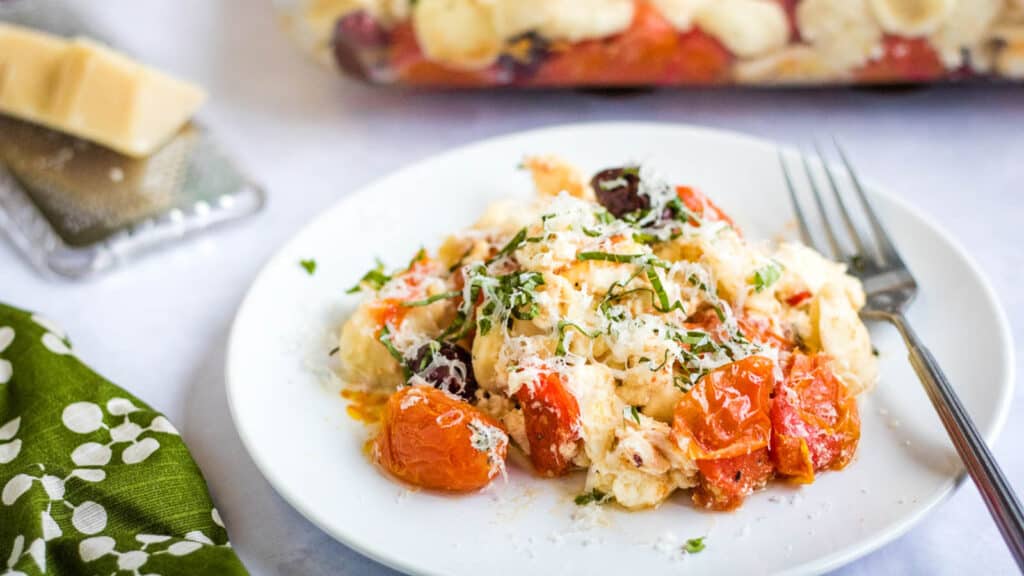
<point>981,464</point>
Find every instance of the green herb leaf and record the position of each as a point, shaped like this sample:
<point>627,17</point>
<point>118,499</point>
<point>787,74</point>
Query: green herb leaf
<point>431,300</point>
<point>694,545</point>
<point>765,277</point>
<point>421,254</point>
<point>562,327</point>
<point>308,265</point>
<point>518,240</point>
<point>462,259</point>
<point>633,413</point>
<point>374,279</point>
<point>604,217</point>
<point>595,496</point>
<point>385,339</point>
<point>645,238</point>
<point>609,257</point>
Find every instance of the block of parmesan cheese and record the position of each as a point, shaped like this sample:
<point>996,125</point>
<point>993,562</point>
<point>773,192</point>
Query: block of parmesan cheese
<point>81,88</point>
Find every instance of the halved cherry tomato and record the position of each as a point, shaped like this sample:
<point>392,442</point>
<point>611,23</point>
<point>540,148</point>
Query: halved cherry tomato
<point>724,483</point>
<point>815,421</point>
<point>726,413</point>
<point>903,60</point>
<point>415,69</point>
<point>640,55</point>
<point>699,59</point>
<point>436,441</point>
<point>702,206</point>
<point>552,418</point>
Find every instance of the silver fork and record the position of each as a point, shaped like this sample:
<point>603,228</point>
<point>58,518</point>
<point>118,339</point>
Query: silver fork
<point>890,288</point>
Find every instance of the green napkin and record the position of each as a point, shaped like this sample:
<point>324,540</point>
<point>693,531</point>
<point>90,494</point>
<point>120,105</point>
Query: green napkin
<point>92,480</point>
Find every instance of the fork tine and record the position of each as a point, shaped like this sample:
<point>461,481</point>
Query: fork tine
<point>886,250</point>
<point>837,250</point>
<point>805,232</point>
<point>855,233</point>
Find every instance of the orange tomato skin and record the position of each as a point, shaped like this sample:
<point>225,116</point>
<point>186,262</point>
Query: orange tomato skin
<point>699,59</point>
<point>816,424</point>
<point>904,60</point>
<point>640,55</point>
<point>552,418</point>
<point>726,414</point>
<point>698,203</point>
<point>724,483</point>
<point>426,440</point>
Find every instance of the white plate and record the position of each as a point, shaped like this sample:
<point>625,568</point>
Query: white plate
<point>295,427</point>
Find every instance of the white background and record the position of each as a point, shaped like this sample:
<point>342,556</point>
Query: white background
<point>159,327</point>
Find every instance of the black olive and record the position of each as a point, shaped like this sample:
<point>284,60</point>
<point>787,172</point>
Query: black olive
<point>524,54</point>
<point>445,375</point>
<point>357,37</point>
<point>618,190</point>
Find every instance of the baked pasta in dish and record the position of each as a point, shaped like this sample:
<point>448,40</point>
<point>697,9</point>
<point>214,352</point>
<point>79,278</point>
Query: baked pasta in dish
<point>663,42</point>
<point>618,326</point>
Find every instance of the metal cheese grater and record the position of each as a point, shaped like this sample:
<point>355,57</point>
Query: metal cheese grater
<point>75,208</point>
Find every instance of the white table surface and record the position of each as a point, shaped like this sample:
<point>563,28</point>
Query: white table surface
<point>159,327</point>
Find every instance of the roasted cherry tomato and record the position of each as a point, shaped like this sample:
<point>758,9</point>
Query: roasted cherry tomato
<point>726,414</point>
<point>639,55</point>
<point>702,206</point>
<point>815,422</point>
<point>552,418</point>
<point>724,483</point>
<point>436,441</point>
<point>699,59</point>
<point>903,60</point>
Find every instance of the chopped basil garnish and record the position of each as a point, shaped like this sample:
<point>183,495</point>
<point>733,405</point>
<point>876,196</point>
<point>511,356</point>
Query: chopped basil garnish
<point>374,279</point>
<point>645,238</point>
<point>462,259</point>
<point>595,496</point>
<point>562,327</point>
<point>308,265</point>
<point>505,297</point>
<point>421,254</point>
<point>633,413</point>
<point>765,276</point>
<point>604,217</point>
<point>659,291</point>
<point>432,299</point>
<point>694,545</point>
<point>385,339</point>
<point>609,257</point>
<point>518,240</point>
